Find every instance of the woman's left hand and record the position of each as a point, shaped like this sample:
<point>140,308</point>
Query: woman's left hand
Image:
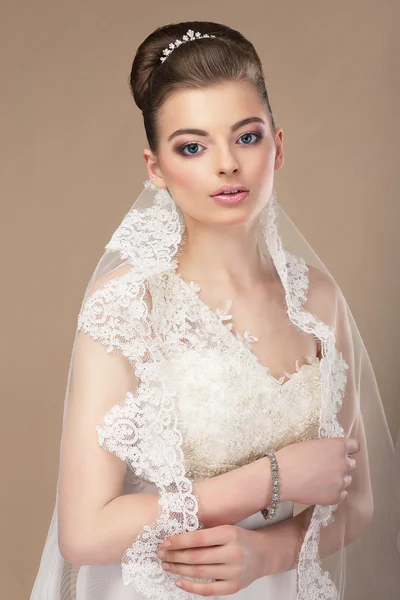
<point>232,555</point>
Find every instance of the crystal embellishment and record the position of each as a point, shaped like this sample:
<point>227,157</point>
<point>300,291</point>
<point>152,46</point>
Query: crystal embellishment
<point>273,509</point>
<point>190,36</point>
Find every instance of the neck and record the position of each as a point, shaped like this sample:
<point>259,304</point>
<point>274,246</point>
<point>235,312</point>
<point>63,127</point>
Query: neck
<point>224,255</point>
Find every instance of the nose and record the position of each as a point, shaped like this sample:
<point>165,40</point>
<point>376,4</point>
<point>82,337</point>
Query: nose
<point>227,162</point>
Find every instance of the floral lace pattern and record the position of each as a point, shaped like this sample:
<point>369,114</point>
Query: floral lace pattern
<point>246,338</point>
<point>220,388</point>
<point>143,429</point>
<point>312,582</point>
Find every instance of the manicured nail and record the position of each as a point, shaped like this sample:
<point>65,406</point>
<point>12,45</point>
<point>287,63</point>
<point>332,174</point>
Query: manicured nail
<point>178,583</point>
<point>166,543</point>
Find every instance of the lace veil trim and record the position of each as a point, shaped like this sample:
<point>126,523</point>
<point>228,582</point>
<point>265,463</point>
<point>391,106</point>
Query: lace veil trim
<point>142,430</point>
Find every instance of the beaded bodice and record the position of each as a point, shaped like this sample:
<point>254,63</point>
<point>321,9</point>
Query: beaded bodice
<point>230,409</point>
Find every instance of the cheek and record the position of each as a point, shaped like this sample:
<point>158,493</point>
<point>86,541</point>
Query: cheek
<point>262,166</point>
<point>187,180</point>
<point>188,177</point>
<point>185,174</point>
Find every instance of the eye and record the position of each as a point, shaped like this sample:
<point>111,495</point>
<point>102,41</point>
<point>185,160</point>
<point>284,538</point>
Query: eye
<point>248,135</point>
<point>190,147</point>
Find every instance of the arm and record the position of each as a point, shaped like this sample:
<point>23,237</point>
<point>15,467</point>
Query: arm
<point>95,522</point>
<point>354,514</point>
<point>91,509</point>
<point>218,505</point>
<point>287,538</point>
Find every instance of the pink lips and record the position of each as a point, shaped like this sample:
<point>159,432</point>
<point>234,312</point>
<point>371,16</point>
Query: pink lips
<point>229,198</point>
<point>230,188</point>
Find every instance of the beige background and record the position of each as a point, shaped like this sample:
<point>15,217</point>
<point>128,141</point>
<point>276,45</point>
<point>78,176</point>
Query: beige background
<point>72,141</point>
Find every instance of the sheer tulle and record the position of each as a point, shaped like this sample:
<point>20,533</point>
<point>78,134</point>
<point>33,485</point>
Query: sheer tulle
<point>349,551</point>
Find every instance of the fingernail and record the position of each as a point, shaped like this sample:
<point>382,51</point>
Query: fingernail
<point>166,543</point>
<point>161,554</point>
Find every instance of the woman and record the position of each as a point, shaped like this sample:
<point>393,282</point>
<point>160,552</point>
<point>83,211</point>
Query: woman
<point>216,378</point>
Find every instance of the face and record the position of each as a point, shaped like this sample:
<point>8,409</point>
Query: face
<point>193,165</point>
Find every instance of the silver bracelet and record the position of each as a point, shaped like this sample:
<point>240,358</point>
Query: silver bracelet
<point>272,510</point>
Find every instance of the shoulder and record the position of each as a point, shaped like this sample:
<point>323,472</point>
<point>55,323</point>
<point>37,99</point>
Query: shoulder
<point>109,298</point>
<point>110,278</point>
<point>322,282</point>
<point>323,296</point>
<point>112,309</point>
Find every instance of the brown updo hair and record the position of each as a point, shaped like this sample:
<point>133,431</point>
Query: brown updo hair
<point>228,56</point>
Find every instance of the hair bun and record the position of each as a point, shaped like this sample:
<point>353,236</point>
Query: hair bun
<point>147,58</point>
<point>145,62</point>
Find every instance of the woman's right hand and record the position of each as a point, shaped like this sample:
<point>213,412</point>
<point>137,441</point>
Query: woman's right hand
<point>316,471</point>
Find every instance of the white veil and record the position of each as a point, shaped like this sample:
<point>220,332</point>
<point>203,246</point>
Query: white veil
<point>363,566</point>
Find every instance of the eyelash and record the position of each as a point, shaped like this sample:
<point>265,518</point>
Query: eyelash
<point>258,135</point>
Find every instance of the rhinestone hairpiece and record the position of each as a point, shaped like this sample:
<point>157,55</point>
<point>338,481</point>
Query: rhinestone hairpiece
<point>190,36</point>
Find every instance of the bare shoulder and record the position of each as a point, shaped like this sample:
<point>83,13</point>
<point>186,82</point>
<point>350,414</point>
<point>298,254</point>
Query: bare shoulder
<point>323,295</point>
<point>322,282</point>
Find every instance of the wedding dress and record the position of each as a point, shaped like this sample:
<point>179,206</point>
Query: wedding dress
<point>205,405</point>
<point>229,408</point>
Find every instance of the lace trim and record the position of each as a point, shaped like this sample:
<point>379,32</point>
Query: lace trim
<point>142,430</point>
<point>116,315</point>
<point>312,582</point>
<point>150,237</point>
<point>203,316</point>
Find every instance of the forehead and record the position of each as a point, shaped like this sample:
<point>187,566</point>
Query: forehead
<point>215,107</point>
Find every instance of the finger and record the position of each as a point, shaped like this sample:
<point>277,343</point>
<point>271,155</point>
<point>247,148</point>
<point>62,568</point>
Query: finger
<point>202,537</point>
<point>343,496</point>
<point>347,481</point>
<point>216,588</point>
<point>351,464</point>
<point>191,539</point>
<point>200,556</point>
<point>208,571</point>
<point>352,446</point>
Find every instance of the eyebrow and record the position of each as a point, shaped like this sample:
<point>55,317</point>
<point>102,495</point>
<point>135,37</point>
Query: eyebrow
<point>204,133</point>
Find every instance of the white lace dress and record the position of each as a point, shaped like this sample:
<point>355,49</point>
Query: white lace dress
<point>229,409</point>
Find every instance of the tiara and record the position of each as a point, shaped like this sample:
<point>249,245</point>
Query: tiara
<point>190,36</point>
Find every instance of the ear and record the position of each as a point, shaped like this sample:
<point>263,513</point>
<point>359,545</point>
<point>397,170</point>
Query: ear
<point>153,169</point>
<point>279,154</point>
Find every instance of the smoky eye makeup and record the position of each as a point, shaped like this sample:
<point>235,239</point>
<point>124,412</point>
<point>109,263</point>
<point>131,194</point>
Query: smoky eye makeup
<point>181,149</point>
<point>257,135</point>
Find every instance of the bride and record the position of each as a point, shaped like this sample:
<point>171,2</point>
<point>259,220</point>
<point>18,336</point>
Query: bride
<point>217,433</point>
